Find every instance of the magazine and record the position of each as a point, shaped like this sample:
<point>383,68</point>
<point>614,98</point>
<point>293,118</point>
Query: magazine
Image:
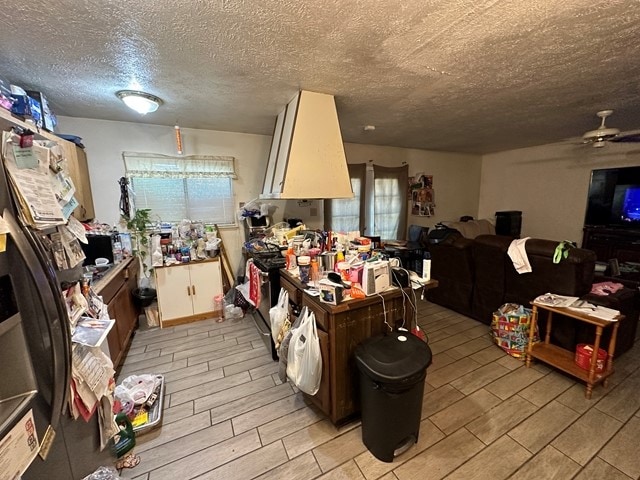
<point>575,303</point>
<point>92,331</point>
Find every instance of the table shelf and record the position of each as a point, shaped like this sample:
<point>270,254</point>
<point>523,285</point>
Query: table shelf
<point>564,360</point>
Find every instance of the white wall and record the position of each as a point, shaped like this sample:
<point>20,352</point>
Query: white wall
<point>549,184</point>
<point>456,177</point>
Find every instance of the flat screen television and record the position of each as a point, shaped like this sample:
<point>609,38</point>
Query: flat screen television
<point>614,198</point>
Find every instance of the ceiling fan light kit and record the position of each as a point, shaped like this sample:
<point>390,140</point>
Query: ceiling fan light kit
<point>141,102</point>
<point>600,135</point>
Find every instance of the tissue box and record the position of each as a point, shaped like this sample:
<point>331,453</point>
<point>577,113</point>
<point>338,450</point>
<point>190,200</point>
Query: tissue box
<point>331,294</point>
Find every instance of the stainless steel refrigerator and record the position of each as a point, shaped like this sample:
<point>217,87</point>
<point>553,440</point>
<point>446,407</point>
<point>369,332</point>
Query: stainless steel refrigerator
<point>35,359</point>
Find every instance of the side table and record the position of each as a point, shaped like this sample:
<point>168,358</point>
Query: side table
<point>564,359</point>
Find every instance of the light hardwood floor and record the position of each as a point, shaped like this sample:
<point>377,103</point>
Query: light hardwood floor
<point>484,415</point>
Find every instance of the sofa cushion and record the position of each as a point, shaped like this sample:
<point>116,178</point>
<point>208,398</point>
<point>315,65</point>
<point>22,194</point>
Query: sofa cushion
<point>489,258</point>
<point>473,228</point>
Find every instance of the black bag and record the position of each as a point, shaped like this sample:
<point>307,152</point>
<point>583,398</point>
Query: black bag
<point>441,233</point>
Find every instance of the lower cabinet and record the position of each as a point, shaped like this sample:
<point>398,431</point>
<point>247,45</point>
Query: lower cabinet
<point>186,291</point>
<point>117,294</point>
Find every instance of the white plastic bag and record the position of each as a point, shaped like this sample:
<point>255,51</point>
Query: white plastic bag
<point>304,360</point>
<point>278,313</point>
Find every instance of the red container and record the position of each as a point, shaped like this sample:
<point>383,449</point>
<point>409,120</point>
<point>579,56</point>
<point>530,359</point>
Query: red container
<point>583,357</point>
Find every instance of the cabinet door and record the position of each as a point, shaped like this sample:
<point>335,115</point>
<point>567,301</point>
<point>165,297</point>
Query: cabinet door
<point>78,170</point>
<point>322,399</point>
<point>113,337</point>
<point>83,187</point>
<point>173,286</point>
<point>206,283</point>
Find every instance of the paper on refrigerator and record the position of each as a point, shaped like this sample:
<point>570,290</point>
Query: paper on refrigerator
<point>33,185</point>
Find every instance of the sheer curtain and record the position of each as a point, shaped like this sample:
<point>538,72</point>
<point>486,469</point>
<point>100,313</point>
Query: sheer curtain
<point>381,212</point>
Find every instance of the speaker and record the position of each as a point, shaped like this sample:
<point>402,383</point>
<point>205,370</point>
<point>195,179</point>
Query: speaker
<point>509,223</point>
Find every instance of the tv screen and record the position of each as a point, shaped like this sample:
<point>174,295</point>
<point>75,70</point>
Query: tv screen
<point>614,198</point>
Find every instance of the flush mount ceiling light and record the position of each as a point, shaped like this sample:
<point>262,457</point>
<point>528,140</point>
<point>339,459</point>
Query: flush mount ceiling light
<point>141,102</point>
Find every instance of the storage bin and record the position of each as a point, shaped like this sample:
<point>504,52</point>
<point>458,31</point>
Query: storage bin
<point>583,357</point>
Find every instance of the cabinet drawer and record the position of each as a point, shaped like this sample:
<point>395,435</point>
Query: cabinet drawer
<point>322,317</point>
<point>294,293</point>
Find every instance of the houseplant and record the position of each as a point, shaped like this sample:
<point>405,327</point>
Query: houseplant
<point>137,225</point>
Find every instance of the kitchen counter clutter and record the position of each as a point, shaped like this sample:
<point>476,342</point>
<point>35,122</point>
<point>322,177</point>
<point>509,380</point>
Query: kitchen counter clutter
<point>341,328</point>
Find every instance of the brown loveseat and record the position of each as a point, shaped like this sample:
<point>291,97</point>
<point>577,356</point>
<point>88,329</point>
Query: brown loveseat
<point>476,276</point>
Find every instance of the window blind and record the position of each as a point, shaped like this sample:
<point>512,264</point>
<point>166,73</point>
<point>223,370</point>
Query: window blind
<point>196,187</point>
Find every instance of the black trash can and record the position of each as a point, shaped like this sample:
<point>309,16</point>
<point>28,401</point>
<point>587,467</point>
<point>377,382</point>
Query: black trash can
<point>393,368</point>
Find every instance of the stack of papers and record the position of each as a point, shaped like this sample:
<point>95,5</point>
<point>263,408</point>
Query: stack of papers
<point>574,303</point>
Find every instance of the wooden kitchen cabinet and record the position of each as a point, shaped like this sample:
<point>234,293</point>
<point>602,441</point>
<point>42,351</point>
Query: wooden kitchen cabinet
<point>116,292</point>
<point>341,328</point>
<point>78,170</point>
<point>186,291</point>
<point>76,167</point>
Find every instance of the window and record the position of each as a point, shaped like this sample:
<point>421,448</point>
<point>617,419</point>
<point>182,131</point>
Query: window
<point>174,188</point>
<point>379,206</point>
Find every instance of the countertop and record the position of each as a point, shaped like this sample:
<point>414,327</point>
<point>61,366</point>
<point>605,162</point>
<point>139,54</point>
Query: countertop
<point>112,273</point>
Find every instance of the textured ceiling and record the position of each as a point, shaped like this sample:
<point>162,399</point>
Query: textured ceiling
<point>465,75</point>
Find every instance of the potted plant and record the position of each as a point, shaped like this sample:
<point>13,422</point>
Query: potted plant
<point>138,225</point>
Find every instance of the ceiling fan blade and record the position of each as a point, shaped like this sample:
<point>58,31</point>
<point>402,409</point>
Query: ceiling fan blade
<point>628,138</point>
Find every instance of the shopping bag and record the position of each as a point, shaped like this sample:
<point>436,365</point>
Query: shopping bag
<point>304,360</point>
<point>283,348</point>
<point>278,313</point>
<point>510,329</point>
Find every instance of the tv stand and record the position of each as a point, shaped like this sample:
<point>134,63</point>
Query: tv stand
<point>609,243</point>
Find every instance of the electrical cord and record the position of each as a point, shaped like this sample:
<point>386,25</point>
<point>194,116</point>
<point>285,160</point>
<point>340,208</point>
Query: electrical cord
<point>384,311</point>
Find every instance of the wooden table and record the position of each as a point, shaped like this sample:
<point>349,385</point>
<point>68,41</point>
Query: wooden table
<point>564,359</point>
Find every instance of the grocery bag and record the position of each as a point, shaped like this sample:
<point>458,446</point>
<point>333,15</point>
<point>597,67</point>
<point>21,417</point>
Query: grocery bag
<point>510,329</point>
<point>304,359</point>
<point>278,313</point>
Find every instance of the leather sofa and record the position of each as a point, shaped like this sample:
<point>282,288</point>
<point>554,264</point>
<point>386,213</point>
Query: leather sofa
<point>476,276</point>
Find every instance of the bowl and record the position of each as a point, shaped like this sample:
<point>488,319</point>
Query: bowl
<point>101,261</point>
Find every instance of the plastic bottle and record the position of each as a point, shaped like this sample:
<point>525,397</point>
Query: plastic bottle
<point>117,252</point>
<point>304,264</point>
<point>426,266</point>
<point>315,271</point>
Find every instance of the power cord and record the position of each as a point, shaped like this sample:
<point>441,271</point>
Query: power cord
<point>384,311</point>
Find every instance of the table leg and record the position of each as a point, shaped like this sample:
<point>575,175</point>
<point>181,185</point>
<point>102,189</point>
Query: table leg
<point>532,329</point>
<point>610,353</point>
<point>594,361</point>
<point>547,336</point>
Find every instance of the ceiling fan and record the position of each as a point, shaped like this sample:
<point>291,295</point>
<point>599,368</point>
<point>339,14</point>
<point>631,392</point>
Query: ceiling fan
<point>598,137</point>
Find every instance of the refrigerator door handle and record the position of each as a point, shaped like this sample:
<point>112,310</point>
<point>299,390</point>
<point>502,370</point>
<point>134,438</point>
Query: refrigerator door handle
<point>55,311</point>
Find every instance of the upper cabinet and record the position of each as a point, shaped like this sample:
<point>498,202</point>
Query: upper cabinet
<point>76,164</point>
<point>78,170</point>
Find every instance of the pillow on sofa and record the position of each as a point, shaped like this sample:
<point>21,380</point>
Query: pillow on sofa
<point>473,228</point>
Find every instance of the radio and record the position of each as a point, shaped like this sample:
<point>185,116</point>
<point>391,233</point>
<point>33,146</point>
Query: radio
<point>376,277</point>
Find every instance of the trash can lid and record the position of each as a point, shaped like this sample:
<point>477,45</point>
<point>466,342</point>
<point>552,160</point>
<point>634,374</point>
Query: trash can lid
<point>392,357</point>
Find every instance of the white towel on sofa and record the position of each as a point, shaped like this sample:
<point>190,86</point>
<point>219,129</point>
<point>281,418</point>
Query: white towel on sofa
<point>518,255</point>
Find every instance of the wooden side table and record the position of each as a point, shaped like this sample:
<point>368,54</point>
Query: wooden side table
<point>564,359</point>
